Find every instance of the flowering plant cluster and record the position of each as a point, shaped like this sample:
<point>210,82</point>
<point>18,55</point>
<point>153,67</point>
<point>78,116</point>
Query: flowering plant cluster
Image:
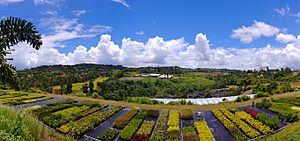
<point>203,130</point>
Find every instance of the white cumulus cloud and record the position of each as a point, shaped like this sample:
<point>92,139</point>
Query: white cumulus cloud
<point>285,38</point>
<point>159,52</point>
<point>247,34</point>
<point>123,2</point>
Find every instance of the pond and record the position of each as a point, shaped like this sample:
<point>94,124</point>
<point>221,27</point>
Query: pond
<point>202,101</point>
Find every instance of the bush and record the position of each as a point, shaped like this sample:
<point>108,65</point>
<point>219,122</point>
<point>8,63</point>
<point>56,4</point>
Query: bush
<point>123,120</point>
<point>271,122</point>
<point>189,133</point>
<point>261,94</point>
<point>264,105</point>
<point>186,114</point>
<point>242,98</point>
<point>109,135</point>
<point>153,113</point>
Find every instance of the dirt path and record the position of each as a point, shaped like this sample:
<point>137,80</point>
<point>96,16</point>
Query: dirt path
<point>176,107</point>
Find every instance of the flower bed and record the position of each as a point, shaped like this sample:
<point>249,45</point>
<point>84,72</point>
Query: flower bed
<point>87,123</point>
<point>234,131</point>
<point>252,112</point>
<point>189,134</point>
<point>12,95</point>
<point>19,100</point>
<point>173,126</point>
<point>53,107</point>
<point>271,122</point>
<point>37,100</point>
<point>161,127</point>
<point>284,111</point>
<point>254,123</point>
<point>123,120</point>
<point>186,114</point>
<point>109,135</point>
<point>245,128</point>
<point>143,134</point>
<point>133,126</point>
<point>203,130</point>
<point>63,116</point>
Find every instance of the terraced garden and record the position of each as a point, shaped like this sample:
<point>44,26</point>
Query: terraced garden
<point>96,121</point>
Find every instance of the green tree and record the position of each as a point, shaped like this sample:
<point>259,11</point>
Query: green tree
<point>91,86</point>
<point>12,31</point>
<point>69,87</point>
<point>85,88</point>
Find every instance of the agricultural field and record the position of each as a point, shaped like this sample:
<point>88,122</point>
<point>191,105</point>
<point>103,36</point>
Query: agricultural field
<point>78,86</point>
<point>95,121</point>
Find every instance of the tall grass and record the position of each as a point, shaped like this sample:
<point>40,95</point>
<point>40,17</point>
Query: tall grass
<point>18,125</point>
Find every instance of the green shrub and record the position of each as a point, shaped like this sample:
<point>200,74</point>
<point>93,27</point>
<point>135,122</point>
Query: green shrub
<point>161,127</point>
<point>153,113</point>
<point>123,120</point>
<point>271,122</point>
<point>109,135</point>
<point>130,129</point>
<point>261,94</point>
<point>186,114</point>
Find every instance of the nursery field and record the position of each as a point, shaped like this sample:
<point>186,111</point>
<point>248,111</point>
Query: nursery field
<point>93,120</point>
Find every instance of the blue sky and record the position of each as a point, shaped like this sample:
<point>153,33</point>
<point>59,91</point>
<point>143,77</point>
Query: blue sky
<point>269,26</point>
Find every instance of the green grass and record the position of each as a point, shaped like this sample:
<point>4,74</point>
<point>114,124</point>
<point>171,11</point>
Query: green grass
<point>291,133</point>
<point>21,126</point>
<point>78,86</point>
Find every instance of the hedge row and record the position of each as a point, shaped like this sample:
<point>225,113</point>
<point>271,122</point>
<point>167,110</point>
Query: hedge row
<point>173,126</point>
<point>161,127</point>
<point>123,120</point>
<point>129,130</point>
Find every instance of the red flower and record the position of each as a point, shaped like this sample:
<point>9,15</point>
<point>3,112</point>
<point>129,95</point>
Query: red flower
<point>253,113</point>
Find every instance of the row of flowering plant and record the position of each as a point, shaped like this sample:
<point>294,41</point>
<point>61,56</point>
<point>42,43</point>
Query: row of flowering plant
<point>244,127</point>
<point>123,120</point>
<point>143,134</point>
<point>130,129</point>
<point>252,112</point>
<point>173,126</point>
<point>234,131</point>
<point>203,130</point>
<point>253,122</point>
<point>161,127</point>
<point>88,123</point>
<point>109,135</point>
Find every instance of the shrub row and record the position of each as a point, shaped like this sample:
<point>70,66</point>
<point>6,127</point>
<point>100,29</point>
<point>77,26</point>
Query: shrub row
<point>189,134</point>
<point>271,122</point>
<point>123,120</point>
<point>161,127</point>
<point>12,95</point>
<point>63,116</point>
<point>284,110</point>
<point>88,123</point>
<point>186,114</point>
<point>253,122</point>
<point>203,130</point>
<point>234,131</point>
<point>109,135</point>
<point>37,100</point>
<point>53,107</point>
<point>133,126</point>
<point>173,126</point>
<point>143,134</point>
<point>244,127</point>
<point>18,100</point>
